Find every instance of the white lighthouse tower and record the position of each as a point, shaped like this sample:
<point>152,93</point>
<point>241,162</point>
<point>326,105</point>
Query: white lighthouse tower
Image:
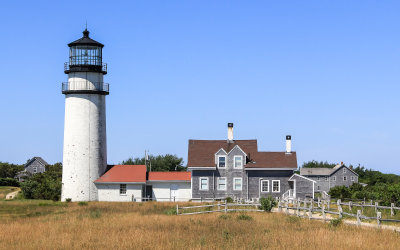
<point>85,146</point>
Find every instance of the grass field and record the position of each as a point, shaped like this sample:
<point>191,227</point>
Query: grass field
<point>28,224</point>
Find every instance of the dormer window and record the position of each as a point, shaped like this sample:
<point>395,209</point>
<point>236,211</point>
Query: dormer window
<point>344,170</point>
<point>221,161</point>
<point>238,161</point>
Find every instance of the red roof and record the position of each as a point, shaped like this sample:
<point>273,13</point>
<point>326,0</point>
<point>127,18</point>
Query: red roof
<point>124,174</point>
<point>169,176</point>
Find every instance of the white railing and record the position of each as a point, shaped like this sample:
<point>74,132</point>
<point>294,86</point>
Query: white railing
<point>288,194</point>
<point>85,86</point>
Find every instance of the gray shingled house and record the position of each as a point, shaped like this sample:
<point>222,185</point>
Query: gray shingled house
<point>326,178</point>
<point>33,166</point>
<point>235,168</point>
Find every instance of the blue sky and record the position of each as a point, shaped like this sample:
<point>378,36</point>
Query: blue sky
<point>326,72</point>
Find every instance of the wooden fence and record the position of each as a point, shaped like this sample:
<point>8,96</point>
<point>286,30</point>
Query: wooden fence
<point>219,207</point>
<point>308,207</point>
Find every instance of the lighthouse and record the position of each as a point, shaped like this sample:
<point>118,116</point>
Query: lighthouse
<point>85,144</point>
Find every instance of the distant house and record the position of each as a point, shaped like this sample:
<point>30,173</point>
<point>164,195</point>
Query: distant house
<point>132,183</point>
<point>33,166</point>
<point>236,168</point>
<point>326,178</point>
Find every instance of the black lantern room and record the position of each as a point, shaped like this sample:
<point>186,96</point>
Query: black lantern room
<point>85,55</point>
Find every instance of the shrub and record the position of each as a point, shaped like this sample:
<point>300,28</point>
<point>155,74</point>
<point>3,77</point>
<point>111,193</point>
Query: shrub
<point>336,222</point>
<point>82,203</point>
<point>267,203</point>
<point>224,217</point>
<point>293,219</point>
<point>68,200</point>
<point>244,217</point>
<point>170,211</point>
<point>229,199</point>
<point>9,182</point>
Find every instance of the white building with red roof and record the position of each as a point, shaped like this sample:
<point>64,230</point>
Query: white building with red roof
<point>133,183</point>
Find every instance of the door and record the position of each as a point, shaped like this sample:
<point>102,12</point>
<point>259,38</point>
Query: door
<point>174,192</point>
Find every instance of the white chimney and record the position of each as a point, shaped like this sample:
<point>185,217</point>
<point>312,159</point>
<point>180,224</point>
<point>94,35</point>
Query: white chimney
<point>288,144</point>
<point>230,132</point>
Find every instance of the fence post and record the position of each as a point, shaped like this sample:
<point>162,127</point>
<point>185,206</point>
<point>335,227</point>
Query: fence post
<point>226,206</point>
<point>358,217</point>
<point>319,201</point>
<point>371,202</point>
<point>339,208</point>
<point>287,207</point>
<point>310,210</point>
<point>298,208</point>
<point>329,203</point>
<point>323,211</point>
<point>391,209</point>
<point>376,207</point>
<point>378,218</point>
<point>350,204</point>
<point>279,206</point>
<point>177,209</point>
<point>362,206</point>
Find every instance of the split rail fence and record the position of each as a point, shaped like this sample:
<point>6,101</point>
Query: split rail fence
<point>308,207</point>
<point>219,207</point>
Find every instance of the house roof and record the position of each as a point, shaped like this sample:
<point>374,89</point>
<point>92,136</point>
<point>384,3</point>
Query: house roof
<point>124,174</point>
<point>201,154</point>
<point>315,171</point>
<point>36,158</point>
<point>322,171</point>
<point>169,176</point>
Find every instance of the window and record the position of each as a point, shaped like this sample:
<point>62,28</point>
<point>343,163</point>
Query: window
<point>264,186</point>
<point>122,189</point>
<point>326,178</point>
<point>203,183</point>
<point>221,183</point>
<point>221,161</point>
<point>237,183</point>
<point>318,188</point>
<point>344,178</point>
<point>276,186</point>
<point>35,169</point>
<point>352,178</point>
<point>344,170</point>
<point>317,178</point>
<point>238,162</point>
<point>334,178</point>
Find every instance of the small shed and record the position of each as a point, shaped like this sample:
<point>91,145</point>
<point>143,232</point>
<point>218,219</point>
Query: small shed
<point>170,186</point>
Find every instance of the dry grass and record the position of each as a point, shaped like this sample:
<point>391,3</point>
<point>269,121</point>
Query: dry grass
<point>53,225</point>
<point>4,190</point>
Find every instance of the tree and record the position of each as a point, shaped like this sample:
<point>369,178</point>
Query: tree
<point>45,185</point>
<point>316,164</point>
<point>8,170</point>
<point>166,162</point>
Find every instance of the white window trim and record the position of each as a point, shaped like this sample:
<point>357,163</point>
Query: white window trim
<point>234,162</point>
<point>279,186</point>
<point>203,178</point>
<point>126,190</point>
<point>352,178</point>
<point>241,183</point>
<point>218,156</point>
<point>262,186</point>
<point>344,170</point>
<point>35,169</point>
<point>226,183</point>
<point>334,178</point>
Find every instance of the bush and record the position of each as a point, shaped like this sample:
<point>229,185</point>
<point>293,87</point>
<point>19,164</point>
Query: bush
<point>68,200</point>
<point>82,203</point>
<point>244,217</point>
<point>229,199</point>
<point>267,203</point>
<point>171,211</point>
<point>9,182</point>
<point>336,222</point>
<point>46,186</point>
<point>224,217</point>
<point>340,192</point>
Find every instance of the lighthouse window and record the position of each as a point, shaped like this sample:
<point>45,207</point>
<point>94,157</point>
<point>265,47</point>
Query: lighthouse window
<point>122,189</point>
<point>86,55</point>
